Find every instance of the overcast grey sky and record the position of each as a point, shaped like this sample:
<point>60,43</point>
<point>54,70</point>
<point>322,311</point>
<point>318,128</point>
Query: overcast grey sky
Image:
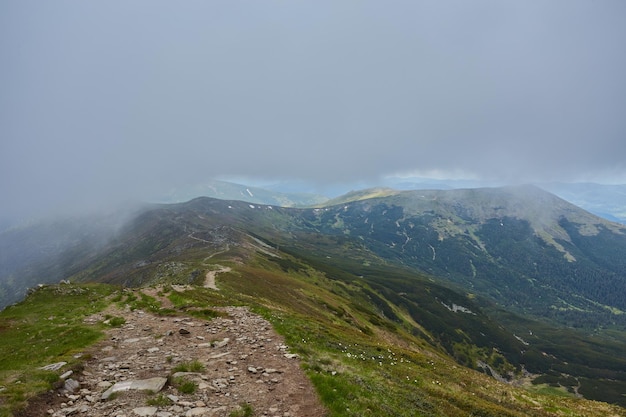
<point>113,99</point>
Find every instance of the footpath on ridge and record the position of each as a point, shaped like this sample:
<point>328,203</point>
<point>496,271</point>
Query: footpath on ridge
<point>238,365</point>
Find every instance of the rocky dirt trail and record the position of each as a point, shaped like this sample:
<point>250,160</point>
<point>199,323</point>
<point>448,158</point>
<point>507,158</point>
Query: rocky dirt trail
<point>240,366</point>
<point>209,281</point>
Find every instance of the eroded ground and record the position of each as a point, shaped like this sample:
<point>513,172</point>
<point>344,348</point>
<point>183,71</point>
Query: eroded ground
<point>238,361</point>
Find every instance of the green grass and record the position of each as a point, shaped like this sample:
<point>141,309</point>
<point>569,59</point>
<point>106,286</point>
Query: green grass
<point>184,385</point>
<point>115,321</point>
<point>159,401</point>
<point>196,302</point>
<point>362,363</point>
<point>45,328</point>
<point>245,410</point>
<point>198,298</point>
<point>362,352</point>
<point>551,390</point>
<point>193,366</point>
<point>137,300</point>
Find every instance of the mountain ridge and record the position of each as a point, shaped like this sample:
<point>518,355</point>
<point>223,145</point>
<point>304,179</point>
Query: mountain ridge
<point>462,271</point>
<point>225,190</point>
<point>541,208</point>
<point>416,231</point>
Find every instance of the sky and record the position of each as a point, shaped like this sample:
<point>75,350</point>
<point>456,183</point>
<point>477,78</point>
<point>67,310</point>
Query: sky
<point>113,100</point>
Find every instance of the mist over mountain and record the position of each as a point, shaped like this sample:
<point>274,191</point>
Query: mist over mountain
<point>608,201</point>
<point>522,247</point>
<point>48,250</point>
<point>604,200</point>
<point>455,215</point>
<point>356,167</point>
<point>290,196</point>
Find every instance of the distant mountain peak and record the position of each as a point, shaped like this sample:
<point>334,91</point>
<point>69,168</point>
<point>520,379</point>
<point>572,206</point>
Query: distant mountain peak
<point>460,211</point>
<point>359,195</point>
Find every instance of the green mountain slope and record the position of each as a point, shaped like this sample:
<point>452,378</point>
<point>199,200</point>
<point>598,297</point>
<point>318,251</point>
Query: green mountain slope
<point>522,247</point>
<point>478,279</point>
<point>361,242</point>
<point>364,353</point>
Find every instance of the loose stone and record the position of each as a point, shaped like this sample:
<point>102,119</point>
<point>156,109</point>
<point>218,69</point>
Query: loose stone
<point>145,411</point>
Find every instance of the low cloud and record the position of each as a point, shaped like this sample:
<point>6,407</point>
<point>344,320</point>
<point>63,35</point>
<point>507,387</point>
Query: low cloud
<point>105,102</point>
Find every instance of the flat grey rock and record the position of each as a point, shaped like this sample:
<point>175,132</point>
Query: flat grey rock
<point>145,411</point>
<point>199,411</point>
<point>155,385</point>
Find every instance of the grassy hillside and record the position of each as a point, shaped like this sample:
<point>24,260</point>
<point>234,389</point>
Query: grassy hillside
<point>400,299</point>
<point>46,328</point>
<point>523,248</point>
<point>365,354</point>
